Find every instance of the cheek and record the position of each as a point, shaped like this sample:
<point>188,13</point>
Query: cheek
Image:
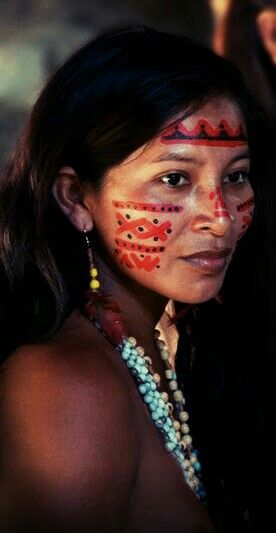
<point>244,214</point>
<point>142,233</point>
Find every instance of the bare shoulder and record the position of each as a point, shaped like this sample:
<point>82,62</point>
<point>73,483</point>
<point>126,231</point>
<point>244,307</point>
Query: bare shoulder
<point>74,371</point>
<point>68,429</point>
<point>76,349</point>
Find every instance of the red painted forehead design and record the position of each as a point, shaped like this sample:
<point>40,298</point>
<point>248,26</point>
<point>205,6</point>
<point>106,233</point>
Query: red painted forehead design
<point>204,133</point>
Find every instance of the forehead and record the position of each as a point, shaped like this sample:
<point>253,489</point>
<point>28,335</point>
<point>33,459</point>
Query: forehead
<point>217,124</point>
<point>215,112</point>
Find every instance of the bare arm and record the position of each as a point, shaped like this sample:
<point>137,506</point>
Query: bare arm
<point>69,449</point>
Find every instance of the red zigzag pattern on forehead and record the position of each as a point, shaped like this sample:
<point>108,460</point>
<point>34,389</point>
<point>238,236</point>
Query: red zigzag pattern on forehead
<point>205,133</point>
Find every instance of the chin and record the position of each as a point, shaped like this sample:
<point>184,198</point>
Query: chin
<point>198,293</point>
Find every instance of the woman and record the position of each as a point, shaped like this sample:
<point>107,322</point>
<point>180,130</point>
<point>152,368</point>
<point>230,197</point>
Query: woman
<point>132,178</point>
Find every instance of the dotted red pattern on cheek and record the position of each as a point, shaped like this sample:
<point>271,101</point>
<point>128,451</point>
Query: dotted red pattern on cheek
<point>142,228</point>
<point>140,248</point>
<point>205,134</point>
<point>247,205</point>
<point>156,208</point>
<point>221,210</point>
<point>135,255</point>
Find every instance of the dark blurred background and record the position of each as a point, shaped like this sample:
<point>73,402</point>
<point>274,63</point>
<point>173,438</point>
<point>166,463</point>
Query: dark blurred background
<point>37,36</point>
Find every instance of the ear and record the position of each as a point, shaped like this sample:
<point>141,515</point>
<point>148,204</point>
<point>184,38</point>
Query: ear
<point>70,194</point>
<point>266,24</point>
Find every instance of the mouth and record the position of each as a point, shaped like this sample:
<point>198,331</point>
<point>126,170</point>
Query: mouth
<point>212,261</point>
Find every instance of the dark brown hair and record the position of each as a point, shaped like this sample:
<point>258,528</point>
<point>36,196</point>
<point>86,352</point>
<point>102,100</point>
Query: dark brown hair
<point>108,99</point>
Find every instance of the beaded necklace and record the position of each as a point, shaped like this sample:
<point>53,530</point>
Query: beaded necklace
<point>171,422</point>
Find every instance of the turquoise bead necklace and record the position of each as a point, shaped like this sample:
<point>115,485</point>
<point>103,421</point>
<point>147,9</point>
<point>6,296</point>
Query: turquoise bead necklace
<point>175,432</point>
<point>171,421</point>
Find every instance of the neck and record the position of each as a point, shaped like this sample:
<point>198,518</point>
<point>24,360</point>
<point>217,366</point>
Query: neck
<point>141,308</point>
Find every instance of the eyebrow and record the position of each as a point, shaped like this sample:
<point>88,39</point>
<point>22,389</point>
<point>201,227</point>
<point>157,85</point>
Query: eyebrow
<point>176,156</point>
<point>238,157</point>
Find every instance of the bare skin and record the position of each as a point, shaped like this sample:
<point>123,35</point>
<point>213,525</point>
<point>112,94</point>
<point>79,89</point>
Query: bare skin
<point>79,451</point>
<point>82,453</point>
<point>202,170</point>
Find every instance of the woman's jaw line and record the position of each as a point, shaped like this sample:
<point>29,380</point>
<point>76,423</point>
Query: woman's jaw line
<point>145,303</point>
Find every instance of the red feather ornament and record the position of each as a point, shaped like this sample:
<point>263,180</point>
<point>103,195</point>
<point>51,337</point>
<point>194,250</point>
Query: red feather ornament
<point>103,310</point>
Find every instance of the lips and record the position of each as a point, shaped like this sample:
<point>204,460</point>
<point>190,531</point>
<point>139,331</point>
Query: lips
<point>213,261</point>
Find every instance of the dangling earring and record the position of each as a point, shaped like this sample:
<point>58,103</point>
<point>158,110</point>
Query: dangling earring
<point>101,308</point>
<point>94,282</point>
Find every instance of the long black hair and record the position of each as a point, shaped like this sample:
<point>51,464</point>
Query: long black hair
<point>111,97</point>
<point>107,100</point>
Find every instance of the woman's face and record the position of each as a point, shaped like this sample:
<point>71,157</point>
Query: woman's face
<point>187,192</point>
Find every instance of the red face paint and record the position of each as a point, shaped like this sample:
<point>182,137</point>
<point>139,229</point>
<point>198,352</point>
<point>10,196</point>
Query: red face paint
<point>132,260</point>
<point>220,206</point>
<point>206,134</point>
<point>157,208</point>
<point>130,252</point>
<point>247,205</point>
<point>247,219</point>
<point>142,228</point>
<point>140,248</point>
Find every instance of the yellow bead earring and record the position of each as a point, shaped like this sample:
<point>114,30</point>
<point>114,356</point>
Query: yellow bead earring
<point>94,282</point>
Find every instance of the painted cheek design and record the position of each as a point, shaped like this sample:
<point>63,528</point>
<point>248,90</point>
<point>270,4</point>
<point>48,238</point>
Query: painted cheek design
<point>220,205</point>
<point>205,133</point>
<point>140,248</point>
<point>247,207</point>
<point>132,260</point>
<point>136,254</point>
<point>142,228</point>
<point>156,208</point>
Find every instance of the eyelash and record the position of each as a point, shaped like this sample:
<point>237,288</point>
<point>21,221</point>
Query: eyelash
<point>244,173</point>
<point>173,174</point>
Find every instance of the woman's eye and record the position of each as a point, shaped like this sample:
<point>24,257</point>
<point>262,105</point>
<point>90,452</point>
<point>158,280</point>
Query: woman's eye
<point>174,180</point>
<point>237,177</point>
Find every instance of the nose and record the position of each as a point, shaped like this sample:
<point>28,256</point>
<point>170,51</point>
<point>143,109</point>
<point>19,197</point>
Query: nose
<point>212,213</point>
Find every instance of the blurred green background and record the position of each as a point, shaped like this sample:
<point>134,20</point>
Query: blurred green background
<point>37,36</point>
